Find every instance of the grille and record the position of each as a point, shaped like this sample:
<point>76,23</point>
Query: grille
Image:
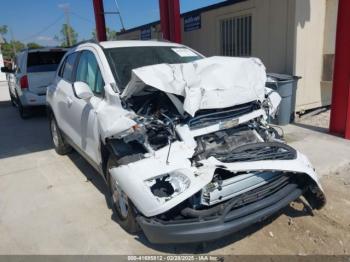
<point>209,117</point>
<point>258,152</point>
<point>261,192</point>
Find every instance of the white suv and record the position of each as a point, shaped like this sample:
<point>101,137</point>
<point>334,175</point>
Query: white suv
<point>181,140</point>
<point>34,71</point>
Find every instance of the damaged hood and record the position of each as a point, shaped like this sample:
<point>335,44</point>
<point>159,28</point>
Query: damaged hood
<point>209,83</point>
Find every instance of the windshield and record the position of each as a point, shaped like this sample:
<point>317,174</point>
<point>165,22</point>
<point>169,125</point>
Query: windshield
<point>44,61</point>
<point>124,59</point>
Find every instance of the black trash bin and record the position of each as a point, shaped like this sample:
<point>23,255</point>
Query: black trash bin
<point>286,86</point>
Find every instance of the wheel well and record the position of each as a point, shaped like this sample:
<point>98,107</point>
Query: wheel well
<point>49,111</point>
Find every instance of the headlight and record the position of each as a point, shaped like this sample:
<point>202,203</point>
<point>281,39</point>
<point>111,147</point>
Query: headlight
<point>167,186</point>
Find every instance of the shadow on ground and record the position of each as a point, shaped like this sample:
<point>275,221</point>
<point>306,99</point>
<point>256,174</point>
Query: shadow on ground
<point>22,136</point>
<point>313,128</point>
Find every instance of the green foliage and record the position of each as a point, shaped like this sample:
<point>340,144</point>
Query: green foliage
<point>3,29</point>
<point>111,34</point>
<point>66,33</point>
<point>33,45</point>
<point>8,49</point>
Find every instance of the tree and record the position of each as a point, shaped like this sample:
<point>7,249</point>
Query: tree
<point>68,36</point>
<point>3,29</point>
<point>33,45</point>
<point>111,34</point>
<point>8,49</point>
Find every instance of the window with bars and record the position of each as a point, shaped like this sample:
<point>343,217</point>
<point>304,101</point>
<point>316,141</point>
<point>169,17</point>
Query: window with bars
<point>236,36</point>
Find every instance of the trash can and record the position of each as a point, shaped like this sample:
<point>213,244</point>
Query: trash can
<point>286,86</point>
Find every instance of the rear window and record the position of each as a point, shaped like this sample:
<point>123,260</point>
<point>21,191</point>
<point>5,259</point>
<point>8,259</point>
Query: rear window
<point>44,61</point>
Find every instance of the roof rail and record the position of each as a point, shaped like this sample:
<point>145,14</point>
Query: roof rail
<point>41,47</point>
<point>91,41</point>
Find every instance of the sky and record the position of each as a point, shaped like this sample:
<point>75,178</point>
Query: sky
<point>40,20</point>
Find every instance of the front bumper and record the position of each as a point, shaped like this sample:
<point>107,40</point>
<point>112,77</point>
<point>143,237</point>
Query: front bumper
<point>231,220</point>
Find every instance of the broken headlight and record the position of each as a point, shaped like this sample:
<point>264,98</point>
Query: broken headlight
<point>168,186</point>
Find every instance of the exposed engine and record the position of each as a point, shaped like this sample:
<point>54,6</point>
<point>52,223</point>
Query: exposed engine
<point>158,115</point>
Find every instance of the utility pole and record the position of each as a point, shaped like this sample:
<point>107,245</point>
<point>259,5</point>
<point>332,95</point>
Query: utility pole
<point>170,21</point>
<point>100,20</point>
<point>340,113</point>
<point>65,8</point>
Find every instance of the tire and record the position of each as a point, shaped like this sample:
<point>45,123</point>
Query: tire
<point>23,111</point>
<point>124,209</point>
<point>13,100</point>
<point>61,147</point>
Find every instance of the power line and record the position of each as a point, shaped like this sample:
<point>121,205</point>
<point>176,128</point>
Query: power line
<point>120,15</point>
<point>44,29</point>
<point>81,17</point>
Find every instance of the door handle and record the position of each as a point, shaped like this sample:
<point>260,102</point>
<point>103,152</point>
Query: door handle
<point>69,101</point>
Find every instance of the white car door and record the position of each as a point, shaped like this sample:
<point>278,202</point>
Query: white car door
<point>83,118</point>
<point>64,95</point>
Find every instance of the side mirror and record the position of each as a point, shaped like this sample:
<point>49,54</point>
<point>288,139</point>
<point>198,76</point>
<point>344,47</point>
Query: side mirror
<point>7,70</point>
<point>82,90</point>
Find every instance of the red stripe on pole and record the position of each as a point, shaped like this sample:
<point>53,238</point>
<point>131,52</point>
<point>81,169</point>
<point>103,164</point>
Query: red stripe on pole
<point>100,20</point>
<point>340,113</point>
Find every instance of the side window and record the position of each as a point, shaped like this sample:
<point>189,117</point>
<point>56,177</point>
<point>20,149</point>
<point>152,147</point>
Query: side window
<point>68,67</point>
<point>17,65</point>
<point>89,72</point>
<point>60,71</point>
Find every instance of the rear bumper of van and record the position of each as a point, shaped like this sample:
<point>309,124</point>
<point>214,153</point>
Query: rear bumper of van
<point>31,99</point>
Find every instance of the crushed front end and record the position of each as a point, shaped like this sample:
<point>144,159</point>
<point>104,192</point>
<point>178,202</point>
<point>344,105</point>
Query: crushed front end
<point>203,176</point>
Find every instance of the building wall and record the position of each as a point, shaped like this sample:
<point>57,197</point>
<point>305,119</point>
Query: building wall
<point>289,36</point>
<point>310,25</point>
<point>329,49</point>
<point>271,36</point>
<point>270,33</point>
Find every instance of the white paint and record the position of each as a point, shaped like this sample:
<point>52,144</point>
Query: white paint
<point>208,83</point>
<point>184,52</point>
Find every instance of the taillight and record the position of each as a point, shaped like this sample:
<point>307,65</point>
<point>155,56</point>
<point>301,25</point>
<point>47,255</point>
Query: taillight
<point>24,82</point>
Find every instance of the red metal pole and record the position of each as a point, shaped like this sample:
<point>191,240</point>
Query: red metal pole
<point>100,20</point>
<point>174,21</point>
<point>340,113</point>
<point>164,18</point>
<point>170,20</point>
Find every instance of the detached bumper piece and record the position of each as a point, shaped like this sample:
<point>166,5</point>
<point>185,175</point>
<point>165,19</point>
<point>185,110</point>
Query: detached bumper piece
<point>238,213</point>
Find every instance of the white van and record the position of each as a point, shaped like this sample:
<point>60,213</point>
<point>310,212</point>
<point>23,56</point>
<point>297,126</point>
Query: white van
<point>34,71</point>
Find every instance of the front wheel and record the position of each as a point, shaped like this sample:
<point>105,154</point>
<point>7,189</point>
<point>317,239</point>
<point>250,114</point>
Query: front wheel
<point>61,147</point>
<point>122,205</point>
